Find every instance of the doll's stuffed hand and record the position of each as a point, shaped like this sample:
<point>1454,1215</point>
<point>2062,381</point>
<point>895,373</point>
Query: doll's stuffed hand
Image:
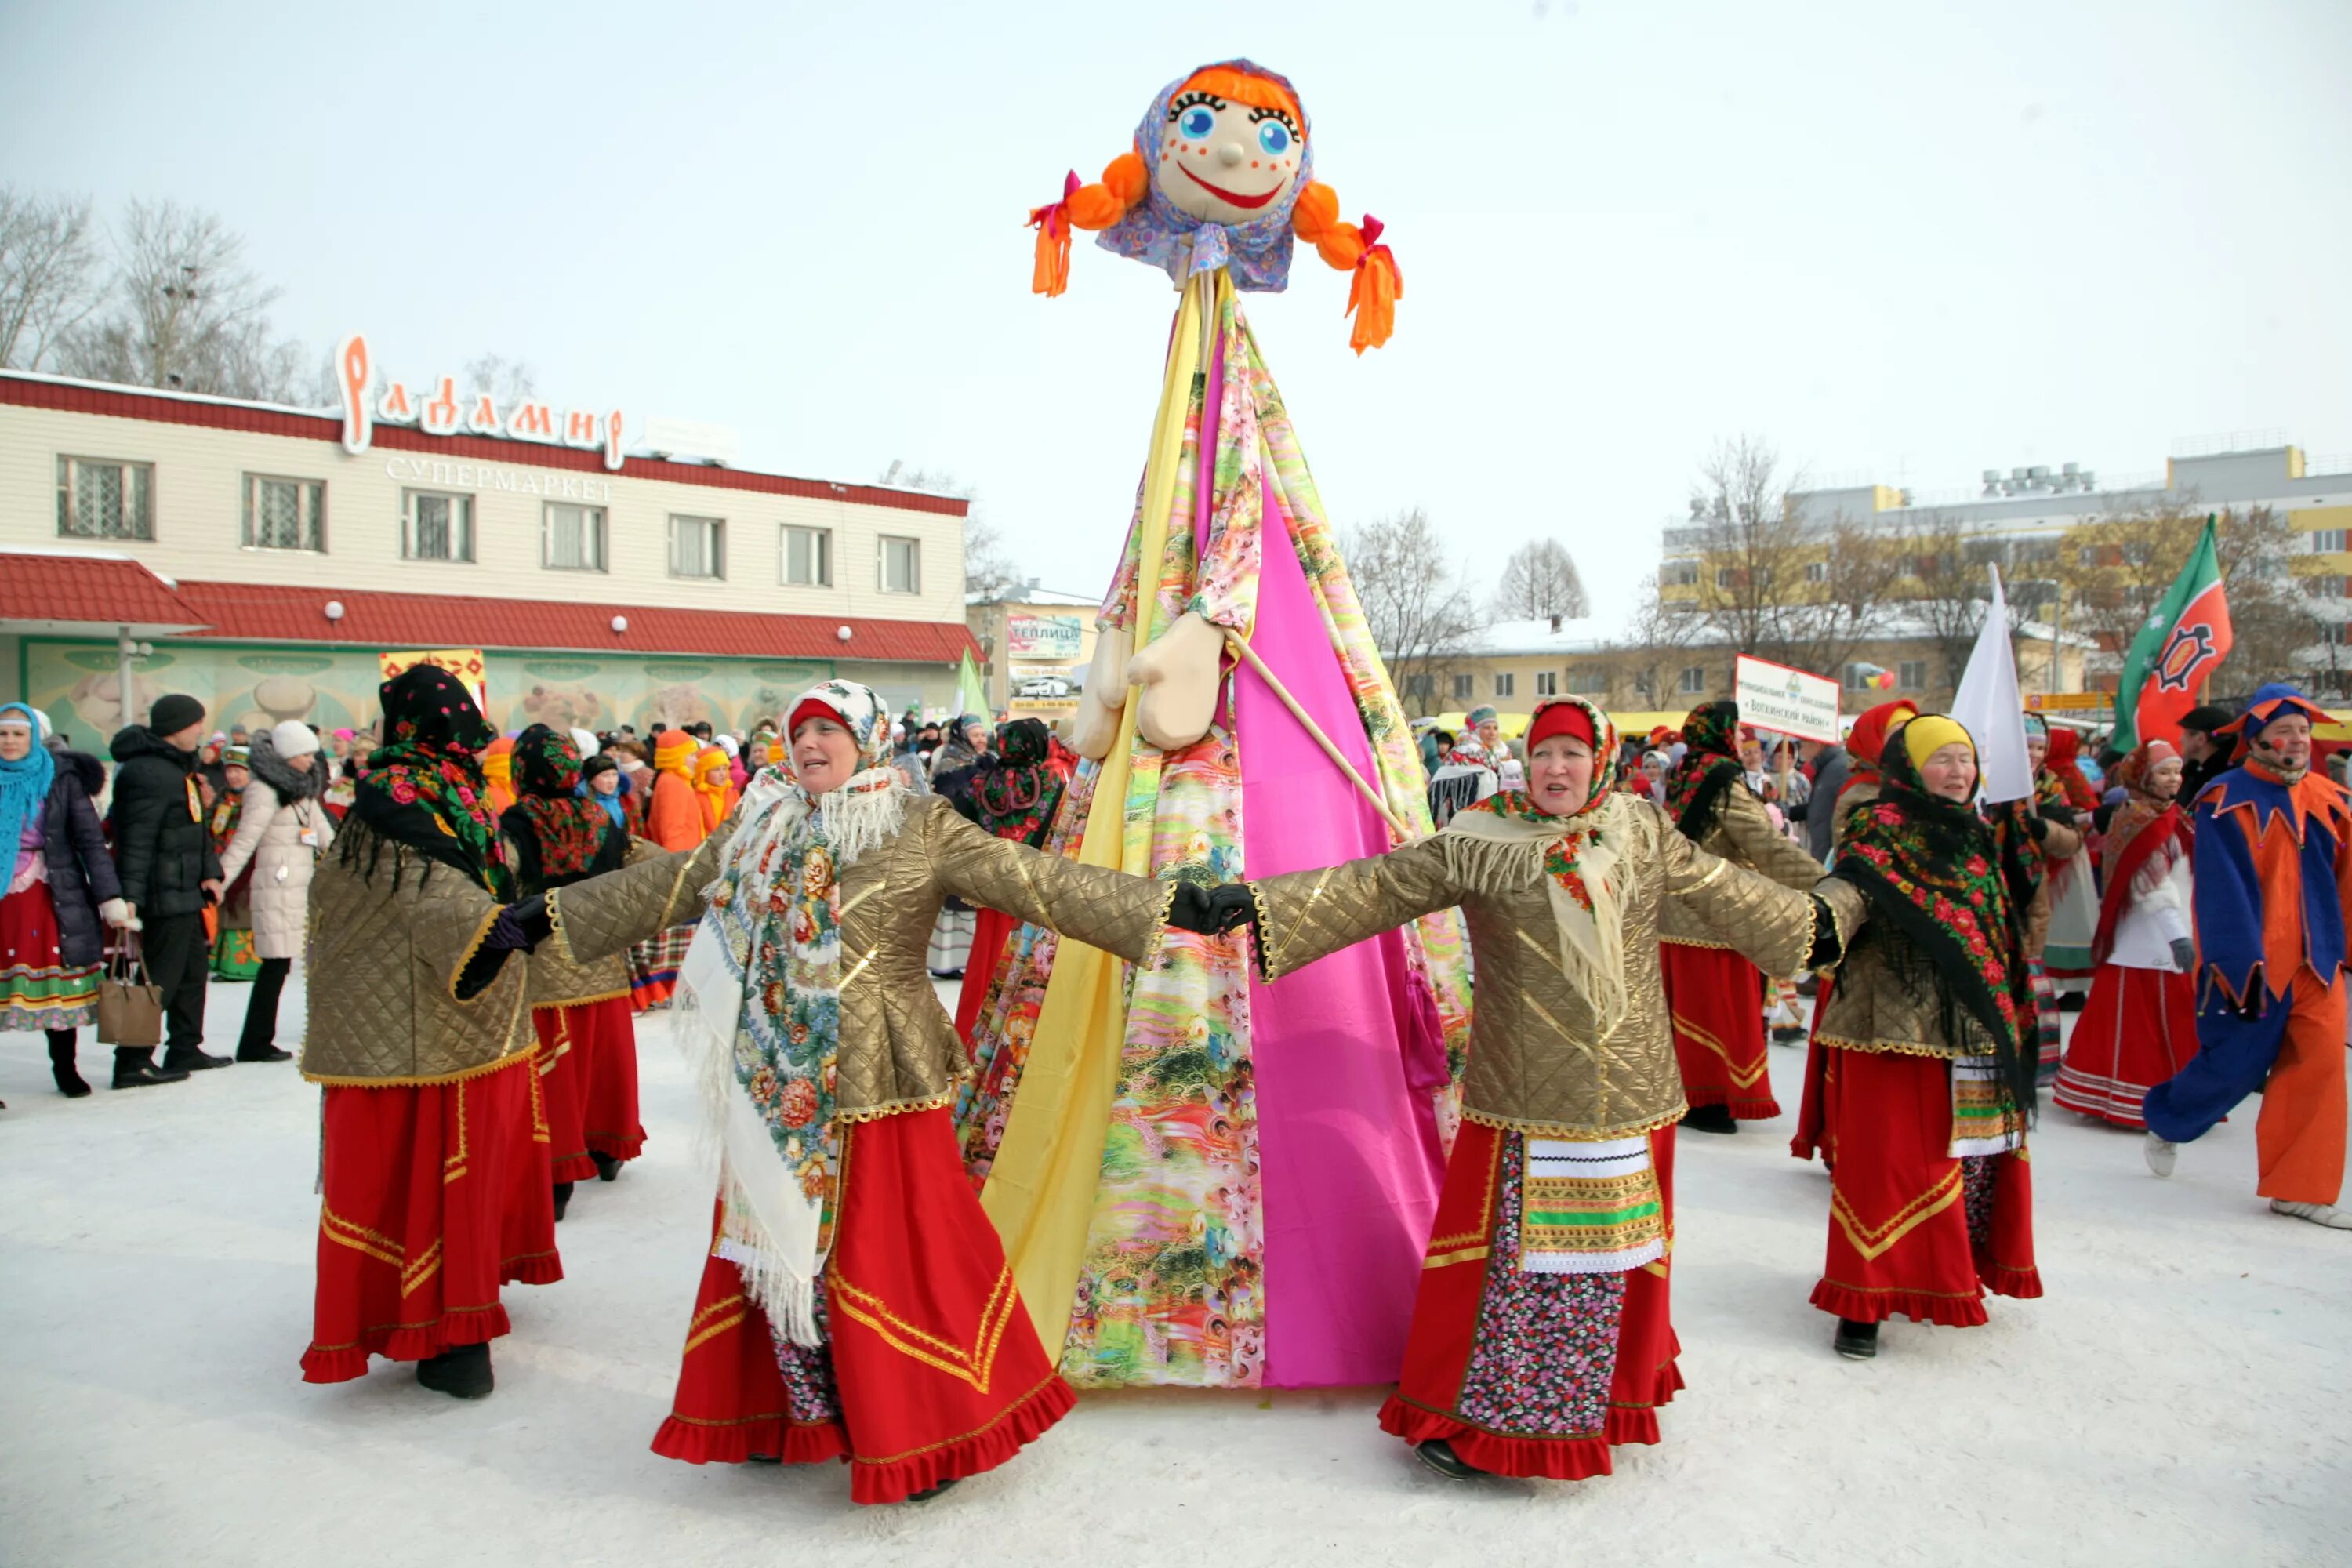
<point>1094,728</point>
<point>1179,674</point>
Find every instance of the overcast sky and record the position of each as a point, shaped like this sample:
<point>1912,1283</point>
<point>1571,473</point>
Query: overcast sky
<point>1904,242</point>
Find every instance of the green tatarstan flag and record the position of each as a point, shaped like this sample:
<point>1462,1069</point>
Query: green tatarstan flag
<point>2175,650</point>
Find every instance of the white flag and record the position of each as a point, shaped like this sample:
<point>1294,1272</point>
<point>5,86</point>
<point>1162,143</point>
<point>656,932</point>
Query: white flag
<point>1990,709</point>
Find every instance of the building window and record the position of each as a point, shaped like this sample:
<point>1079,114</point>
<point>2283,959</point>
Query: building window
<point>1417,686</point>
<point>1505,685</point>
<point>1694,680</point>
<point>572,538</point>
<point>698,546</point>
<point>2327,541</point>
<point>1589,681</point>
<point>1723,577</point>
<point>1547,683</point>
<point>98,499</point>
<point>437,527</point>
<point>1911,674</point>
<point>285,514</point>
<point>1680,574</point>
<point>1464,686</point>
<point>1817,571</point>
<point>900,569</point>
<point>808,557</point>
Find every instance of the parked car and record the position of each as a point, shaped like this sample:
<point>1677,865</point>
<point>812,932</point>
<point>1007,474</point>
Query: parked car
<point>1044,686</point>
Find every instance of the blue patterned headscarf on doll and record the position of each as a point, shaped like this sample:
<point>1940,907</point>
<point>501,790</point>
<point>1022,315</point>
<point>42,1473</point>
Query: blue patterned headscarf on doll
<point>1157,231</point>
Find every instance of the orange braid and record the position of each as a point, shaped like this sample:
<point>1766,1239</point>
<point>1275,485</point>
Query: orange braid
<point>1377,285</point>
<point>1096,207</point>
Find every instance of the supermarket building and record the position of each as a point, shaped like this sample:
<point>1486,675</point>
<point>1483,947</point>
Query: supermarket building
<point>266,559</point>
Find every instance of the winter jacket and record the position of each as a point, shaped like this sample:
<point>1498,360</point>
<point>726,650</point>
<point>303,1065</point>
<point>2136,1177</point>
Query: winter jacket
<point>160,850</point>
<point>280,806</point>
<point>81,874</point>
<point>1820,809</point>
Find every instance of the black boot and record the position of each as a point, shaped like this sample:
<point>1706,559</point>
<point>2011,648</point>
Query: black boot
<point>563,1198</point>
<point>61,1065</point>
<point>1855,1342</point>
<point>461,1373</point>
<point>1439,1456</point>
<point>928,1493</point>
<point>607,1168</point>
<point>133,1068</point>
<point>1710,1119</point>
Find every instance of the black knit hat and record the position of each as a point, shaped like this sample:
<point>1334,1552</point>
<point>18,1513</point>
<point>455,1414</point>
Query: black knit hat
<point>2206,719</point>
<point>174,713</point>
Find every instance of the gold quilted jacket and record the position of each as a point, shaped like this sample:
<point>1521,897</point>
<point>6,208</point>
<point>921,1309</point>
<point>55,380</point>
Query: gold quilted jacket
<point>557,982</point>
<point>1535,1064</point>
<point>898,1048</point>
<point>387,953</point>
<point>1743,834</point>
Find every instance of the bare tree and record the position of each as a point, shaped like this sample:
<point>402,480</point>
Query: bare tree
<point>184,311</point>
<point>1656,634</point>
<point>50,274</point>
<point>508,380</point>
<point>988,568</point>
<point>1423,617</point>
<point>1772,583</point>
<point>1541,581</point>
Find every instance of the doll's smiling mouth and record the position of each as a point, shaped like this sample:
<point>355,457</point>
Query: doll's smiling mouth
<point>1224,195</point>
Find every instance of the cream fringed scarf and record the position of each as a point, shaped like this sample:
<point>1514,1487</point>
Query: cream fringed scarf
<point>1576,858</point>
<point>758,1013</point>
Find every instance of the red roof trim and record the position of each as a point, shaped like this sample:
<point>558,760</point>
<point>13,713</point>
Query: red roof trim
<point>253,419</point>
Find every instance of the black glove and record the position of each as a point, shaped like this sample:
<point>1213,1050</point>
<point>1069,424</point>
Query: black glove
<point>1191,911</point>
<point>1234,906</point>
<point>2065,816</point>
<point>530,917</point>
<point>506,933</point>
<point>2037,828</point>
<point>2184,954</point>
<point>1826,949</point>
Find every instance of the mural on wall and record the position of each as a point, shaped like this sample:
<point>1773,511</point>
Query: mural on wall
<point>335,687</point>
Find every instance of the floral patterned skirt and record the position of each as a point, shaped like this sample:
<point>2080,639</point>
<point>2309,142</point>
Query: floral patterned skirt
<point>38,990</point>
<point>1527,1373</point>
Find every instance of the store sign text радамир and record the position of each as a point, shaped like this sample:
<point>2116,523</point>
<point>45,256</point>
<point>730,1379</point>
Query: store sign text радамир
<point>438,409</point>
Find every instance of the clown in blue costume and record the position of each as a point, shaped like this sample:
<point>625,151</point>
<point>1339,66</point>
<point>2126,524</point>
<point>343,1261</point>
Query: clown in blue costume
<point>2273,862</point>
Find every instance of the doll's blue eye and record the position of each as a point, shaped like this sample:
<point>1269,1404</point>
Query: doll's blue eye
<point>1275,137</point>
<point>1197,122</point>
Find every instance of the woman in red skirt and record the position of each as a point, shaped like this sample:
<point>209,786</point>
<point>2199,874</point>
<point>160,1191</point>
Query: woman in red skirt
<point>2140,1026</point>
<point>856,1303</point>
<point>1929,1045</point>
<point>1012,793</point>
<point>1714,997</point>
<point>555,835</point>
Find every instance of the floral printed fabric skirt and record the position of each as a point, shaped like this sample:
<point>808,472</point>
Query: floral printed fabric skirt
<point>1717,1001</point>
<point>1522,1373</point>
<point>1915,1232</point>
<point>38,990</point>
<point>435,1194</point>
<point>930,1370</point>
<point>235,957</point>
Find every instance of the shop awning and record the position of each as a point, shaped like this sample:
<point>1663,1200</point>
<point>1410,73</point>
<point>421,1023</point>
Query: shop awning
<point>88,594</point>
<point>248,612</point>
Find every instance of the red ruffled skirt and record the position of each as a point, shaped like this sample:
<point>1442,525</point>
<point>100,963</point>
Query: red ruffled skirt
<point>931,1370</point>
<point>588,1071</point>
<point>1530,1375</point>
<point>2138,1029</point>
<point>1715,999</point>
<point>1913,1231</point>
<point>435,1196</point>
<point>991,930</point>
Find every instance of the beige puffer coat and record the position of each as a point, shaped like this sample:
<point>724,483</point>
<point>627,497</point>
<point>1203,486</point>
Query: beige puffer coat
<point>269,836</point>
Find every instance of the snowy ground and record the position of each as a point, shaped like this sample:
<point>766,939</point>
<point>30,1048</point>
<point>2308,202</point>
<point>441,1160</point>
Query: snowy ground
<point>2180,1396</point>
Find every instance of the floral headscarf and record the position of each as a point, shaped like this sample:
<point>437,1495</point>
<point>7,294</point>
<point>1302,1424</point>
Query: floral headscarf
<point>423,789</point>
<point>1694,785</point>
<point>2061,781</point>
<point>1958,890</point>
<point>1157,231</point>
<point>1578,854</point>
<point>1013,796</point>
<point>758,1008</point>
<point>559,834</point>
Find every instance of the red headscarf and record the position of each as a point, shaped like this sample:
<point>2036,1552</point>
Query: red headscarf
<point>1868,737</point>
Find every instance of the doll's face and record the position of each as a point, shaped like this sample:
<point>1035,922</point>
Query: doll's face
<point>1224,161</point>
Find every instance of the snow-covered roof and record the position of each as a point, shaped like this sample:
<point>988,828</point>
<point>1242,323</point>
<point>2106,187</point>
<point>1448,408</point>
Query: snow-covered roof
<point>1033,595</point>
<point>1591,634</point>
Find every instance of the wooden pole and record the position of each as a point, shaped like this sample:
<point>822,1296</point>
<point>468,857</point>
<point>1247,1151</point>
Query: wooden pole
<point>1315,730</point>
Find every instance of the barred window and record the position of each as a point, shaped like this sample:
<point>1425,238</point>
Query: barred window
<point>285,514</point>
<point>436,526</point>
<point>102,500</point>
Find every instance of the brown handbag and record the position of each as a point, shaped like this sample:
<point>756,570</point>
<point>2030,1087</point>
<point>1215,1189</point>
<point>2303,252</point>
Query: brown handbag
<point>130,1005</point>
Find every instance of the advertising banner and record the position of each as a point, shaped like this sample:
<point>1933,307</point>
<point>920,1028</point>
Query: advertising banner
<point>1045,639</point>
<point>1787,701</point>
<point>466,663</point>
